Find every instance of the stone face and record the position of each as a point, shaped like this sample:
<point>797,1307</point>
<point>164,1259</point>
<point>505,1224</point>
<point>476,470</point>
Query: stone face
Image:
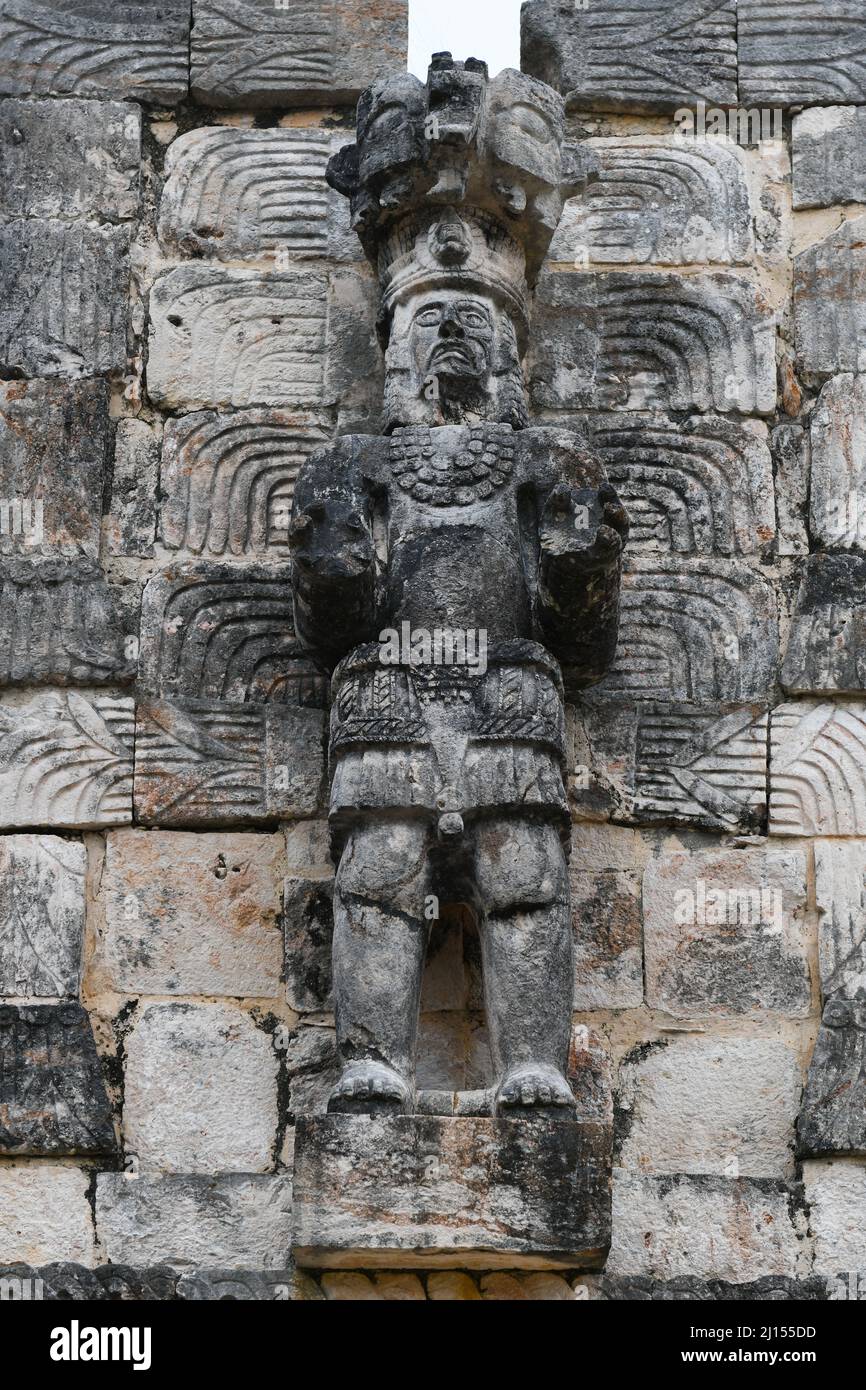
<point>836,1193</point>
<point>52,1094</point>
<point>45,1215</point>
<point>655,56</point>
<point>53,453</point>
<point>806,53</point>
<point>201,1090</point>
<point>830,300</point>
<point>41,916</point>
<point>827,648</point>
<point>193,914</point>
<point>631,342</point>
<point>818,769</point>
<point>237,338</point>
<point>228,481</point>
<point>132,515</point>
<point>66,761</point>
<point>60,624</point>
<point>828,156</point>
<point>234,1221</point>
<point>608,939</point>
<point>725,933</point>
<point>93,153</point>
<point>701,767</point>
<point>838,483</point>
<point>94,48</point>
<point>472,1193</point>
<point>701,1105</point>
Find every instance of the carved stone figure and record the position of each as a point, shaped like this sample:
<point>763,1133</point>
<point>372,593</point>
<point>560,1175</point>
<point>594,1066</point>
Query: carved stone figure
<point>449,572</point>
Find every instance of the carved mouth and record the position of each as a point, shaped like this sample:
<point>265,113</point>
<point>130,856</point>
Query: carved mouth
<point>453,355</point>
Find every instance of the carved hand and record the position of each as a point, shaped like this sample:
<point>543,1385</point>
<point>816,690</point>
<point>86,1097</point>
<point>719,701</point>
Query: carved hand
<point>583,531</point>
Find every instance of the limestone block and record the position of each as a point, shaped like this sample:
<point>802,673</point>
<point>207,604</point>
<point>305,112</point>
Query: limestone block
<point>643,341</point>
<point>41,916</point>
<point>830,300</point>
<point>807,52</point>
<point>192,914</point>
<point>608,938</point>
<point>45,1215</point>
<point>725,935</point>
<point>237,338</point>
<point>95,48</point>
<point>200,1091</point>
<point>69,158</point>
<point>660,200</point>
<point>656,55</point>
<point>840,890</point>
<point>601,759</point>
<point>836,1193</point>
<point>838,483</point>
<point>272,53</point>
<point>701,767</point>
<point>228,481</point>
<point>312,1067</point>
<point>827,648</point>
<point>52,1094</point>
<point>53,450</point>
<point>829,157</point>
<point>481,1194</point>
<point>66,760</point>
<point>60,624</point>
<point>231,1221</point>
<point>308,917</point>
<point>710,1105</point>
<point>132,515</point>
<point>791,459</point>
<point>818,769</point>
<point>248,1286</point>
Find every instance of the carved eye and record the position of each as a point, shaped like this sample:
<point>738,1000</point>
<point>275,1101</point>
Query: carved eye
<point>473,318</point>
<point>532,123</point>
<point>430,317</point>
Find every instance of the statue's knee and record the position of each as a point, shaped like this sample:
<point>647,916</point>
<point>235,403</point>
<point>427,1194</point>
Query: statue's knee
<point>520,867</point>
<point>386,865</point>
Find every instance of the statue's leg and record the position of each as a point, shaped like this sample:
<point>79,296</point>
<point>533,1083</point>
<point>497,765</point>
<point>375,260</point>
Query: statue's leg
<point>528,956</point>
<point>380,942</point>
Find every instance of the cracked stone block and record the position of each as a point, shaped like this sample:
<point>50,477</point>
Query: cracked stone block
<point>701,767</point>
<point>660,200</point>
<point>45,1215</point>
<point>193,914</point>
<point>656,55</point>
<point>840,890</point>
<point>308,916</point>
<point>707,1228</point>
<point>64,289</point>
<point>95,48</point>
<point>228,481</point>
<point>200,1091</point>
<point>41,916</point>
<point>312,1067</point>
<point>827,648</point>
<point>836,1193</point>
<point>132,514</point>
<point>355,370</point>
<point>830,300</point>
<point>801,53</point>
<point>829,156</point>
<point>54,440</point>
<point>838,482</point>
<point>69,158</point>
<point>66,761</point>
<point>818,769</point>
<point>60,624</point>
<point>608,938</point>
<point>622,341</point>
<point>725,933</point>
<point>237,338</point>
<point>791,459</point>
<point>227,1221</point>
<point>52,1093</point>
<point>601,760</point>
<point>723,1106</point>
<point>271,53</point>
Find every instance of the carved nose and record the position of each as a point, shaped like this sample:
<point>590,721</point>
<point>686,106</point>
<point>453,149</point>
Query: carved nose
<point>451,328</point>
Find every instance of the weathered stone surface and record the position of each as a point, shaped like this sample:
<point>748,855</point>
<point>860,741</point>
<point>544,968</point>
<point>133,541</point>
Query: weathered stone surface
<point>261,53</point>
<point>475,1193</point>
<point>231,1221</point>
<point>66,760</point>
<point>308,917</point>
<point>830,301</point>
<point>840,891</point>
<point>642,1289</point>
<point>827,647</point>
<point>95,48</point>
<point>52,1094</point>
<point>237,338</point>
<point>724,933</point>
<point>248,1286</point>
<point>655,56</point>
<point>41,916</point>
<point>836,1193</point>
<point>192,914</point>
<point>132,514</point>
<point>312,1067</point>
<point>65,1282</point>
<point>631,342</point>
<point>818,769</point>
<point>706,1228</point>
<point>708,1105</point>
<point>806,52</point>
<point>201,1090</point>
<point>63,298</point>
<point>791,459</point>
<point>93,153</point>
<point>53,453</point>
<point>228,481</point>
<point>660,201</point>
<point>828,156</point>
<point>608,938</point>
<point>60,624</point>
<point>701,767</point>
<point>838,484</point>
<point>45,1215</point>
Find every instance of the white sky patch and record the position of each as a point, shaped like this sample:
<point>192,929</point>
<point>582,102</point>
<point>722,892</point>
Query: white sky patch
<point>488,29</point>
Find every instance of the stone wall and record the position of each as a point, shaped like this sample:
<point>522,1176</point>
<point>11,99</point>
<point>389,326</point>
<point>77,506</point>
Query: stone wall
<point>184,316</point>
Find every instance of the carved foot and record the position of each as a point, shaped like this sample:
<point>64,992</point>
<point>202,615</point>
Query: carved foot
<point>535,1087</point>
<point>366,1087</point>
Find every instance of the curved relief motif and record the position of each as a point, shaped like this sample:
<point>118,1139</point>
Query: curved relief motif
<point>794,52</point>
<point>297,49</point>
<point>818,769</point>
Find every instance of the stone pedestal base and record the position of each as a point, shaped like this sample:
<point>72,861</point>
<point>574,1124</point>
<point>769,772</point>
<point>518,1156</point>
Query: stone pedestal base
<point>425,1192</point>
